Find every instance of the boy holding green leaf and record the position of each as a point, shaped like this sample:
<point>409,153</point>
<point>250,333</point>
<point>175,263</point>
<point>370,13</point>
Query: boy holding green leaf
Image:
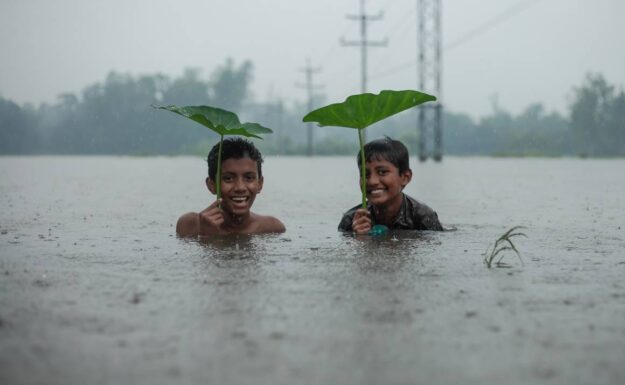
<point>241,181</point>
<point>387,172</point>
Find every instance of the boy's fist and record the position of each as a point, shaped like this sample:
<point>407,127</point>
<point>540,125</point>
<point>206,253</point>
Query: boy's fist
<point>361,224</point>
<point>211,218</point>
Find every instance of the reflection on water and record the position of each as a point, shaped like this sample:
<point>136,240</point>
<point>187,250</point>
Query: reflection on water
<point>231,246</point>
<point>389,252</point>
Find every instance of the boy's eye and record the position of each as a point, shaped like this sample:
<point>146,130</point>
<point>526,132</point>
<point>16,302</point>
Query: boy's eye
<point>227,178</point>
<point>250,176</point>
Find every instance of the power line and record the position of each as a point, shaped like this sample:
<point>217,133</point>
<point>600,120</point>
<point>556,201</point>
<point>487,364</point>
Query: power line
<point>498,19</point>
<point>333,48</point>
<point>394,70</point>
<point>400,26</point>
<point>489,24</point>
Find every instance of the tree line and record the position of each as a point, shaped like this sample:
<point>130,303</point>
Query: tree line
<point>115,117</point>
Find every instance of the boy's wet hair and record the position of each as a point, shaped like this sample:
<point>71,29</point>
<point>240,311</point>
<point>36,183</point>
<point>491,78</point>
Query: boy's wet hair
<point>236,148</point>
<point>387,149</point>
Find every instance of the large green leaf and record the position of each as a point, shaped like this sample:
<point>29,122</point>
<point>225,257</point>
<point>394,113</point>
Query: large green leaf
<point>361,111</point>
<point>221,121</point>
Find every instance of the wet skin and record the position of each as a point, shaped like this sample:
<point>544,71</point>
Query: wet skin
<point>384,186</point>
<point>240,184</point>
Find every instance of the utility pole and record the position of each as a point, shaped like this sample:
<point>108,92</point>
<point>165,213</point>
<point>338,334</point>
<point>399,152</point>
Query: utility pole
<point>309,71</point>
<point>430,76</point>
<point>364,43</point>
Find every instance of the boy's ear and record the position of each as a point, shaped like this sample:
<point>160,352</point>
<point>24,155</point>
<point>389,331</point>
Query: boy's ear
<point>406,177</point>
<point>260,183</point>
<point>212,187</point>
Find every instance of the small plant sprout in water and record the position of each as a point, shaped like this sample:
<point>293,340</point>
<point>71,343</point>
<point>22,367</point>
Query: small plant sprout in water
<point>362,110</point>
<point>502,244</point>
<point>222,122</point>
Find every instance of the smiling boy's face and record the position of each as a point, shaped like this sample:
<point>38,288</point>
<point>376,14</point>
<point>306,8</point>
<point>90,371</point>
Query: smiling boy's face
<point>240,184</point>
<point>384,182</point>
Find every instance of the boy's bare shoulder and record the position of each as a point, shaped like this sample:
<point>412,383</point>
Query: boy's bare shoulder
<point>269,224</point>
<point>188,224</point>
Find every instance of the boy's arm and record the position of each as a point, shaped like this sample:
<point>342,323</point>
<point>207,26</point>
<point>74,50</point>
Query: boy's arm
<point>431,222</point>
<point>429,219</point>
<point>204,223</point>
<point>423,217</point>
<point>187,225</point>
<point>272,225</point>
<point>346,223</point>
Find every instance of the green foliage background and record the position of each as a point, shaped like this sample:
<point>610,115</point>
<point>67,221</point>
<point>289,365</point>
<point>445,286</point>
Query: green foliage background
<point>114,117</point>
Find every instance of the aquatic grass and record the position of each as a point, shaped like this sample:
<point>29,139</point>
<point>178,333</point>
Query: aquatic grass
<point>222,122</point>
<point>362,110</point>
<point>502,244</point>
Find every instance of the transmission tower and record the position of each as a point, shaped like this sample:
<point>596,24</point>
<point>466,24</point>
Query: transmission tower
<point>430,74</point>
<point>363,43</point>
<point>309,86</point>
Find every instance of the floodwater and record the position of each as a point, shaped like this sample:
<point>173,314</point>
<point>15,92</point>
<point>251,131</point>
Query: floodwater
<point>95,288</point>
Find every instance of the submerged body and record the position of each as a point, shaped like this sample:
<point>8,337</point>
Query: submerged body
<point>203,224</point>
<point>412,215</point>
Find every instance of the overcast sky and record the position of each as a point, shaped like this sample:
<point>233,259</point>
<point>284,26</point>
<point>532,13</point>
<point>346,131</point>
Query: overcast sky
<point>519,51</point>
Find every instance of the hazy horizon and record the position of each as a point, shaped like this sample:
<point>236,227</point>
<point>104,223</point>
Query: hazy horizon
<point>517,52</point>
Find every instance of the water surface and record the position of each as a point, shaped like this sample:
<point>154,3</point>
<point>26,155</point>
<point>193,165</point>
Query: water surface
<point>96,288</point>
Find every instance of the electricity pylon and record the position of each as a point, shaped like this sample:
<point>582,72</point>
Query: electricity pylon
<point>430,77</point>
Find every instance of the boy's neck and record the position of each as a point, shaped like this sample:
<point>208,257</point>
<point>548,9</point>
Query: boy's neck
<point>386,214</point>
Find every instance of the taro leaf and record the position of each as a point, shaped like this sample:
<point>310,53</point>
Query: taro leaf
<point>361,111</point>
<point>221,121</point>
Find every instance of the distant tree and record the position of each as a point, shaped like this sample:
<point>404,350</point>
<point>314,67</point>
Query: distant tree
<point>17,129</point>
<point>598,118</point>
<point>617,123</point>
<point>189,89</point>
<point>460,134</point>
<point>230,85</point>
<point>536,132</point>
<point>532,132</point>
<point>115,117</point>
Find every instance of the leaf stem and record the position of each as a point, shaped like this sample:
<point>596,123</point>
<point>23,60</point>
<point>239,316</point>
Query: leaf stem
<point>363,178</point>
<point>218,181</point>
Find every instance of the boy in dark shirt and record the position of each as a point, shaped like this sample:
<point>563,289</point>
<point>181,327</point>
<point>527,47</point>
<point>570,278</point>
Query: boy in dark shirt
<point>387,173</point>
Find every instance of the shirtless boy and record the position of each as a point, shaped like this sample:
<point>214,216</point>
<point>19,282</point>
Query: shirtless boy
<point>241,181</point>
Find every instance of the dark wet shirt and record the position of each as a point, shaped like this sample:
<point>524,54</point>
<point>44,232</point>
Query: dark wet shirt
<point>412,215</point>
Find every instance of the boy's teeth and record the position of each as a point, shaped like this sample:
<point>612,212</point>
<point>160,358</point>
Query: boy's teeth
<point>239,199</point>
